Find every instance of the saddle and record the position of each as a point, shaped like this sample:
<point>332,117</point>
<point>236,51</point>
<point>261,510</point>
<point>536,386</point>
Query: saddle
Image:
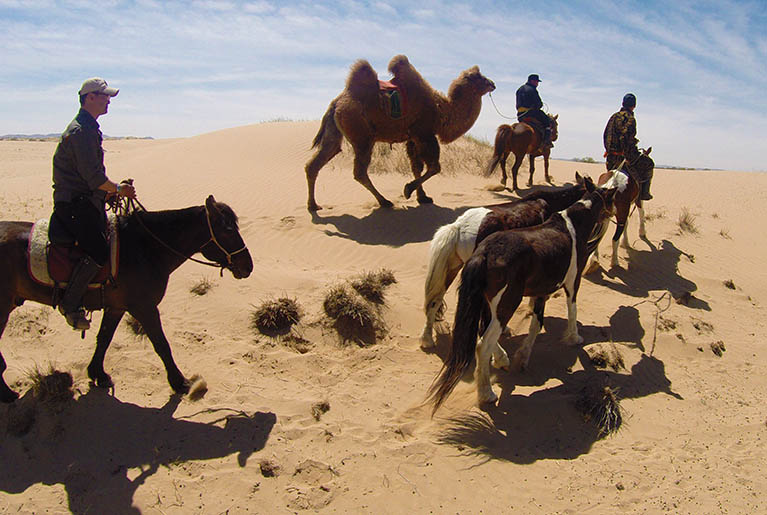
<point>392,98</point>
<point>51,264</point>
<point>537,128</point>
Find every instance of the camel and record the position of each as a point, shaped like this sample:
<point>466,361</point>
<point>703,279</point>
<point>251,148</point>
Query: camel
<point>362,116</point>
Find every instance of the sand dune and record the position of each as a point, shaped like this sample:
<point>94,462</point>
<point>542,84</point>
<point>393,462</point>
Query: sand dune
<point>693,440</point>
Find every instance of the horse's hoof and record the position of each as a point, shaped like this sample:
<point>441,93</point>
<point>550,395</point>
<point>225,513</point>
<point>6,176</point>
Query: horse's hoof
<point>386,204</point>
<point>312,207</point>
<point>425,200</point>
<point>103,381</point>
<point>427,342</point>
<point>408,190</point>
<point>487,397</point>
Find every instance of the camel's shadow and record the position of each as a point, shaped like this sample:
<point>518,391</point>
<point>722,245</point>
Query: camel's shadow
<point>89,444</point>
<point>546,424</point>
<point>656,269</point>
<point>393,227</point>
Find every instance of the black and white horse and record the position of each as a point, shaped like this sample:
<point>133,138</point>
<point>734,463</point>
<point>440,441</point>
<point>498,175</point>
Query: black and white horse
<point>454,243</point>
<point>508,265</point>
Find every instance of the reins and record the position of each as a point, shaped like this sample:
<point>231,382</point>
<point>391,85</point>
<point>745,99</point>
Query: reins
<point>126,206</point>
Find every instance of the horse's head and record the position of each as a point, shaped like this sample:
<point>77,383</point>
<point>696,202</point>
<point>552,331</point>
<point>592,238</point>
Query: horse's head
<point>554,126</point>
<point>226,246</point>
<point>601,198</point>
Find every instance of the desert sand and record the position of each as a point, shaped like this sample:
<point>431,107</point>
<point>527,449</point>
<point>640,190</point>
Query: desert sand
<point>334,426</point>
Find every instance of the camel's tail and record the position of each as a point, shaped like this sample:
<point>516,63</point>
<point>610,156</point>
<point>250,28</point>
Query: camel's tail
<point>502,137</point>
<point>327,125</point>
<point>471,300</point>
<point>444,244</point>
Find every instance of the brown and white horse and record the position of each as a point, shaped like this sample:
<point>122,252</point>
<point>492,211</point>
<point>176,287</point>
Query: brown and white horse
<point>627,194</point>
<point>530,262</point>
<point>454,243</point>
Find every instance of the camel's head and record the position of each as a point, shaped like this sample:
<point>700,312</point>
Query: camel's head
<point>478,82</point>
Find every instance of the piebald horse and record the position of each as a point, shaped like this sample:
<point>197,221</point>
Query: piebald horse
<point>627,194</point>
<point>454,243</point>
<point>530,262</point>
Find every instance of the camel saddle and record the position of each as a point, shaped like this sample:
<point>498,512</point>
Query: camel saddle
<point>51,264</point>
<point>392,98</point>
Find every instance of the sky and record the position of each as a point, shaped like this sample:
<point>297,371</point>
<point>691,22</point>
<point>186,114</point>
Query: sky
<point>697,68</point>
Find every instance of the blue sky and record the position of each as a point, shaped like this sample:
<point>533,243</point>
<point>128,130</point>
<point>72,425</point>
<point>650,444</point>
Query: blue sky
<point>698,69</point>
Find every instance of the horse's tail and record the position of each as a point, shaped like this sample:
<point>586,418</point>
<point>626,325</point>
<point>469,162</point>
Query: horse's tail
<point>443,245</point>
<point>471,300</point>
<point>328,124</point>
<point>502,137</point>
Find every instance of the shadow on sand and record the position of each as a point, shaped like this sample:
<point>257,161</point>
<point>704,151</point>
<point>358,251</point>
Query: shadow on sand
<point>90,444</point>
<point>656,269</point>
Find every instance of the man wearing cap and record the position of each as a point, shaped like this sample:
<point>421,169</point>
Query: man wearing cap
<point>529,105</point>
<point>80,187</point>
<point>621,142</point>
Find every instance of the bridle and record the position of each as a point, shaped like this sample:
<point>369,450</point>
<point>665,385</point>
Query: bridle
<point>129,206</point>
<point>221,247</point>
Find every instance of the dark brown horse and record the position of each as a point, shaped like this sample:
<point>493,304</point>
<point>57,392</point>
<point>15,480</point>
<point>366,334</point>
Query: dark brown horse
<point>531,262</point>
<point>454,243</point>
<point>152,246</point>
<point>627,194</point>
<point>520,139</point>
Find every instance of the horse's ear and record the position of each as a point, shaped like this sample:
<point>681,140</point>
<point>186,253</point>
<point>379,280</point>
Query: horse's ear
<point>556,116</point>
<point>589,184</point>
<point>647,152</point>
<point>578,178</point>
<point>210,203</point>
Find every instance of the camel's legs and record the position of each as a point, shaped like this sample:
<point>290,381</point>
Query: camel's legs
<point>362,155</point>
<point>330,146</point>
<point>427,149</point>
<point>416,166</point>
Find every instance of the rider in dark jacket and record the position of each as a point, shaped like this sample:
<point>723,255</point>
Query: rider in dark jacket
<point>80,187</point>
<point>529,105</point>
<point>621,142</point>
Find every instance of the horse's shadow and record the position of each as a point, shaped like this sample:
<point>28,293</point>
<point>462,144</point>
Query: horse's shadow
<point>393,227</point>
<point>656,269</point>
<point>90,444</point>
<point>546,424</point>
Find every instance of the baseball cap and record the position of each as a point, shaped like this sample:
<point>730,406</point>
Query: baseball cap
<point>533,76</point>
<point>97,85</point>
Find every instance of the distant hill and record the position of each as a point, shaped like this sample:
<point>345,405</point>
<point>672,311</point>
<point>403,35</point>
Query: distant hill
<point>55,136</point>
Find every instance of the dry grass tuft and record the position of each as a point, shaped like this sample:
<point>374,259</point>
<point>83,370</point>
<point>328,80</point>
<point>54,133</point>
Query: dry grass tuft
<point>686,222</point>
<point>52,386</point>
<point>135,326</point>
<point>656,215</point>
<point>718,348</point>
<point>355,319</point>
<point>725,233</point>
<point>600,405</point>
<point>607,357</point>
<point>728,283</point>
<point>372,285</point>
<point>275,317</point>
<point>319,409</point>
<point>201,287</point>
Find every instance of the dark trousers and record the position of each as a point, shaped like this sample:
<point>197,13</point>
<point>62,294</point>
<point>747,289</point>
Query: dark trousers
<point>82,222</point>
<point>538,115</point>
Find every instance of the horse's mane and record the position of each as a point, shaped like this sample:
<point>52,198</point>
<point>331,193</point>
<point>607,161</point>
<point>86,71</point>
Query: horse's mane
<point>169,216</point>
<point>555,192</point>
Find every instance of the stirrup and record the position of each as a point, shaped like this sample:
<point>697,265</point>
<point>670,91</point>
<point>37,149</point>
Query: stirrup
<point>76,319</point>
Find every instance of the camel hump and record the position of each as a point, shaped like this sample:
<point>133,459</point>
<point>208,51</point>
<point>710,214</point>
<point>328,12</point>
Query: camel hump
<point>362,79</point>
<point>399,64</point>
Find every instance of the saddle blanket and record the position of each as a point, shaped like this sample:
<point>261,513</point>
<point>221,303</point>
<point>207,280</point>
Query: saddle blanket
<point>39,247</point>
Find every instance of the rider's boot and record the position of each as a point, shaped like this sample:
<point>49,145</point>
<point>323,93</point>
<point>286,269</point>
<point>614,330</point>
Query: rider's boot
<point>70,306</point>
<point>547,143</point>
<point>645,195</point>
